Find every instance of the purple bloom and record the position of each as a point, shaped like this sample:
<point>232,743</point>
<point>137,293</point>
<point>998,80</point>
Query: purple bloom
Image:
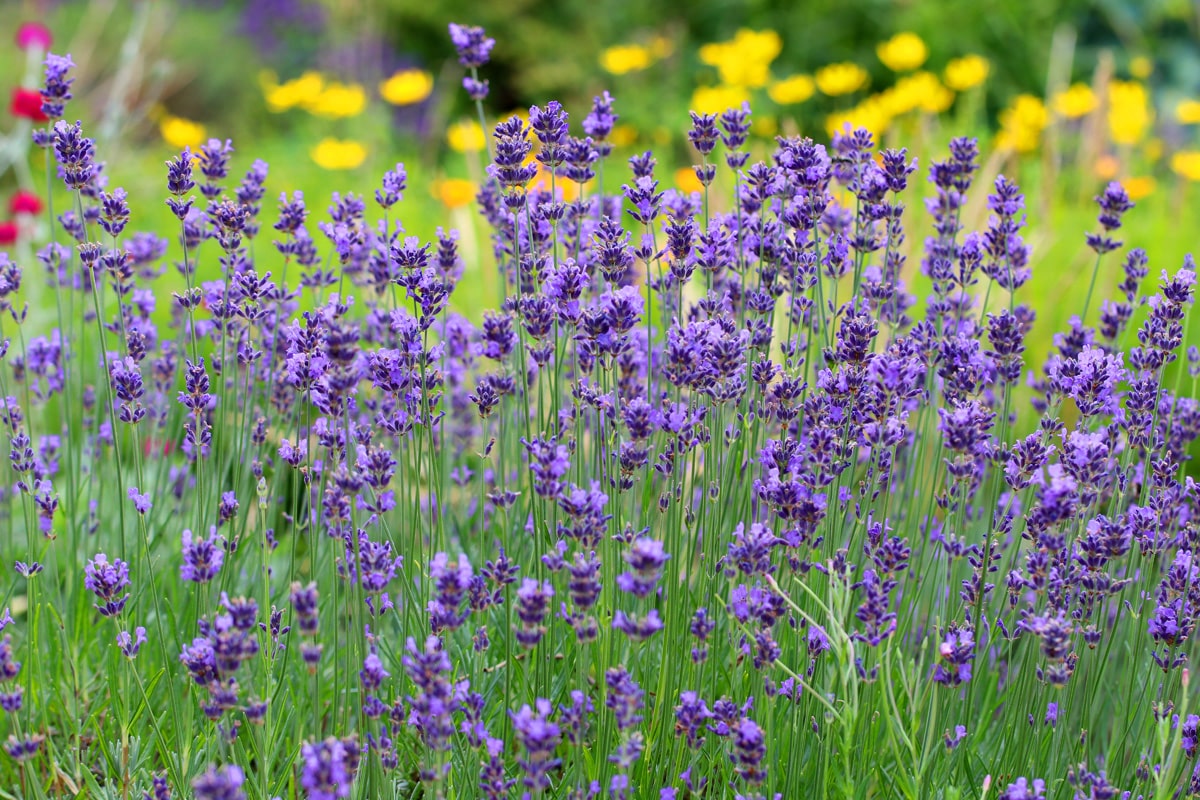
<point>1025,789</point>
<point>106,580</point>
<point>472,44</point>
<point>75,155</point>
<point>141,502</point>
<point>202,558</point>
<point>645,559</point>
<point>56,90</point>
<point>956,651</point>
<point>538,737</point>
<point>329,768</point>
<point>220,783</point>
<point>130,645</point>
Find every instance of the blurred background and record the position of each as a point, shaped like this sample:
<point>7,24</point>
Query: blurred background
<point>1064,94</point>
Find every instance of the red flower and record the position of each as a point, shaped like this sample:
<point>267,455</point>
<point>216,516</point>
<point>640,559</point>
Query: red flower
<point>8,233</point>
<point>28,104</point>
<point>33,34</point>
<point>24,202</point>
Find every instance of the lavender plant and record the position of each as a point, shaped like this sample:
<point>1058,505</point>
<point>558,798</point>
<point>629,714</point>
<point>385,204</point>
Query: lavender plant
<point>711,504</point>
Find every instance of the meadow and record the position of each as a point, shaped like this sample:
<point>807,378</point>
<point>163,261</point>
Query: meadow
<point>851,465</point>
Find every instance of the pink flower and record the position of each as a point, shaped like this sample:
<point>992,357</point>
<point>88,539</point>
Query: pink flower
<point>25,202</point>
<point>33,35</point>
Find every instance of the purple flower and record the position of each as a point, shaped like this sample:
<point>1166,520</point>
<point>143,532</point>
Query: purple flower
<point>691,716</point>
<point>106,580</point>
<point>220,783</point>
<point>625,698</point>
<point>395,181</point>
<point>538,737</point>
<point>130,645</point>
<point>645,559</point>
<point>202,558</point>
<point>533,601</point>
<point>956,652</point>
<point>1025,789</point>
<point>749,750</point>
<point>56,90</point>
<point>472,44</point>
<point>329,768</point>
<point>141,502</point>
<point>75,155</point>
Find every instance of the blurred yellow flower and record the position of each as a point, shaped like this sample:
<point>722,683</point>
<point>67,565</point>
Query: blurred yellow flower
<point>661,47</point>
<point>1129,113</point>
<point>1188,112</point>
<point>335,154</point>
<point>1106,167</point>
<point>872,113</point>
<point>903,52</point>
<point>1022,124</point>
<point>623,135</point>
<point>622,58</point>
<point>299,91</point>
<point>716,99</point>
<point>1153,149</point>
<point>1139,187</point>
<point>764,125</point>
<point>407,87</point>
<point>465,136</point>
<point>791,90</point>
<point>339,100</point>
<point>1141,67</point>
<point>1077,100</point>
<point>967,72</point>
<point>921,90</point>
<point>686,180</point>
<point>1186,164</point>
<point>744,60</point>
<point>454,192</point>
<point>838,79</point>
<point>180,133</point>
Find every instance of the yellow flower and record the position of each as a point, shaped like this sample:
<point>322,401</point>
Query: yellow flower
<point>300,91</point>
<point>465,136</point>
<point>180,133</point>
<point>1186,164</point>
<point>1129,113</point>
<point>1078,100</point>
<point>967,72</point>
<point>764,125</point>
<point>921,90</point>
<point>1141,67</point>
<point>661,47</point>
<point>338,154</point>
<point>1022,124</point>
<point>1139,187</point>
<point>872,113</point>
<point>338,100</point>
<point>744,60</point>
<point>1188,112</point>
<point>454,192</point>
<point>623,58</point>
<point>791,90</point>
<point>903,52</point>
<point>406,87</point>
<point>686,180</point>
<point>838,79</point>
<point>716,99</point>
<point>1107,167</point>
<point>623,135</point>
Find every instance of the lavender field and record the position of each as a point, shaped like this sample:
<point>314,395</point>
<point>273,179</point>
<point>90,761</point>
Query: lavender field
<point>709,503</point>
